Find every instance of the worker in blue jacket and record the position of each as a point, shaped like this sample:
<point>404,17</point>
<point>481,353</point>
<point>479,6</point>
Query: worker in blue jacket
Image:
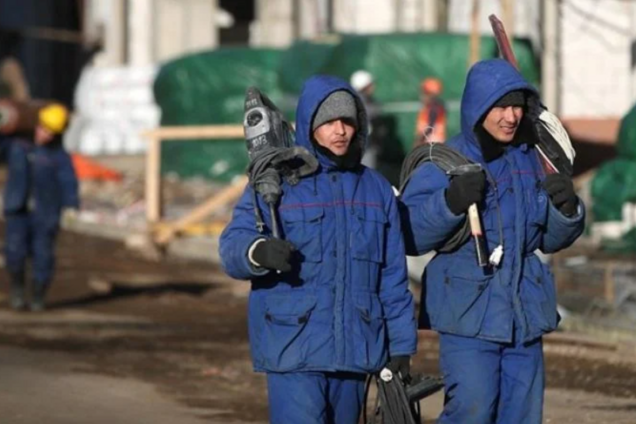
<point>41,184</point>
<point>491,320</point>
<point>329,303</point>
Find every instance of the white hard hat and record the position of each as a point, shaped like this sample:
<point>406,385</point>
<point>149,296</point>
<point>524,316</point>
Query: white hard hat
<point>361,79</point>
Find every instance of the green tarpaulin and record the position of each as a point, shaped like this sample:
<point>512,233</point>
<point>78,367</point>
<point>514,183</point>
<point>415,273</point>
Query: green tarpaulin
<point>615,182</point>
<point>613,185</point>
<point>209,88</point>
<point>626,145</point>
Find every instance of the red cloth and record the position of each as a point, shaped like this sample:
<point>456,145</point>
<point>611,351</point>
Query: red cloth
<point>87,169</point>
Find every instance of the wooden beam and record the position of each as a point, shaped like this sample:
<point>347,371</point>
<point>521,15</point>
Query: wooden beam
<point>475,36</point>
<point>550,55</point>
<point>153,181</point>
<point>222,198</point>
<point>199,132</point>
<point>508,12</point>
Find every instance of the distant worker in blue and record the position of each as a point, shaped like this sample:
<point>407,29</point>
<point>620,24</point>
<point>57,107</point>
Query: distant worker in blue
<point>491,319</point>
<point>330,301</point>
<point>41,184</point>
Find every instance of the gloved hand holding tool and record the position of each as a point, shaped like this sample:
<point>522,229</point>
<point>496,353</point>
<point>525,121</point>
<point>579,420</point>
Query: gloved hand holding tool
<point>273,156</point>
<point>400,365</point>
<point>272,253</point>
<point>561,192</point>
<point>466,190</point>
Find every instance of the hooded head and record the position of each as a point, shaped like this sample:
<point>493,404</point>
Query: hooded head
<point>490,84</point>
<point>323,100</point>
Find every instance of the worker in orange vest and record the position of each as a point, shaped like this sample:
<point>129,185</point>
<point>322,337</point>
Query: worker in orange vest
<point>431,121</point>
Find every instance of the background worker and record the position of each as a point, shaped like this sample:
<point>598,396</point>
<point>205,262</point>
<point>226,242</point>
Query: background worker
<point>41,184</point>
<point>431,120</point>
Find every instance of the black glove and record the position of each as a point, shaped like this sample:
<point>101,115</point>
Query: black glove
<point>561,192</point>
<point>402,365</point>
<point>274,254</point>
<point>464,190</point>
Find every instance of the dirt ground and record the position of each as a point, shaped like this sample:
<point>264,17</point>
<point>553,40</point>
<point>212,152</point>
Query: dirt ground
<point>181,328</point>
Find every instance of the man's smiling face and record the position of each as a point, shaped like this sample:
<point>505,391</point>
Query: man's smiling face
<point>502,122</point>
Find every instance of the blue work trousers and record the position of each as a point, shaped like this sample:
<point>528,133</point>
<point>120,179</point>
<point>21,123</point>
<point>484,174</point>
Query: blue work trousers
<point>488,382</point>
<point>315,397</point>
<point>26,237</point>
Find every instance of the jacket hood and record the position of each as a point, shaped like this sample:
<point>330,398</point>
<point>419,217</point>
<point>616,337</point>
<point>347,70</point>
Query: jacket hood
<point>315,91</point>
<point>487,81</point>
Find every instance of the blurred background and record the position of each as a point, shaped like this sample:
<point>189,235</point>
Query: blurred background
<point>156,89</point>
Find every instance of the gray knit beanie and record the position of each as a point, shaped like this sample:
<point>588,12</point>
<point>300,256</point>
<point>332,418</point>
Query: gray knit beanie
<point>339,104</point>
<point>515,98</point>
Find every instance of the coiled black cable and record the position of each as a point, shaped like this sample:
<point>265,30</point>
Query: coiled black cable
<point>449,161</point>
<point>265,172</point>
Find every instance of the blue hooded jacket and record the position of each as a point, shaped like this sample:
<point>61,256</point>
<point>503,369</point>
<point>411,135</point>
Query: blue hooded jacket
<point>458,296</point>
<point>41,177</point>
<point>346,306</point>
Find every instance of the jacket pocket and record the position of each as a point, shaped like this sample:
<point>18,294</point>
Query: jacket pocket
<point>285,339</point>
<point>368,234</point>
<point>369,332</point>
<point>465,301</point>
<point>538,296</point>
<point>303,228</point>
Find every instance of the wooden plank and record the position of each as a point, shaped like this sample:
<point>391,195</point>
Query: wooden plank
<point>229,194</point>
<point>197,132</point>
<point>475,36</point>
<point>105,283</point>
<point>208,228</point>
<point>153,181</point>
<point>508,13</point>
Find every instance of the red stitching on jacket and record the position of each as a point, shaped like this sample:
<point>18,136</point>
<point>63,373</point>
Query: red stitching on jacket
<point>326,205</point>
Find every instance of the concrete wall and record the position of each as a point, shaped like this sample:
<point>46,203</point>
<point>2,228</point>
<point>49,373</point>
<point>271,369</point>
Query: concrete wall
<point>183,26</point>
<point>275,25</point>
<point>144,32</point>
<point>370,16</point>
<point>597,79</point>
<point>106,20</point>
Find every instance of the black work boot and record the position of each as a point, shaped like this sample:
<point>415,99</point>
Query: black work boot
<point>17,299</point>
<point>39,293</point>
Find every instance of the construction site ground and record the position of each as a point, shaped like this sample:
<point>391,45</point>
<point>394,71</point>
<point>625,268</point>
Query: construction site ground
<point>129,340</point>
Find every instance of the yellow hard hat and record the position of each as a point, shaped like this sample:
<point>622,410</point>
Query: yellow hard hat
<point>54,118</point>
